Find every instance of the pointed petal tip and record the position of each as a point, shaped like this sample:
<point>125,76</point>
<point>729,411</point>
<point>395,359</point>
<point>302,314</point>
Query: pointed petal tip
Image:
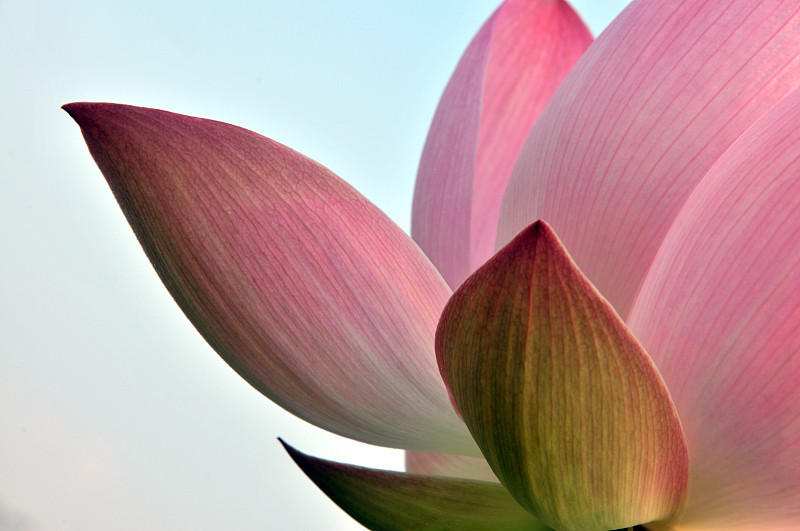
<point>93,117</point>
<point>584,380</point>
<point>249,236</point>
<point>307,463</point>
<point>538,229</point>
<point>76,111</point>
<point>69,106</point>
<point>500,86</point>
<point>602,147</point>
<point>294,453</point>
<point>80,110</point>
<point>297,456</point>
<point>527,236</point>
<point>395,501</point>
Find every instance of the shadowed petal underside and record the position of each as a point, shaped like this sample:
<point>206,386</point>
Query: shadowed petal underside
<point>395,501</point>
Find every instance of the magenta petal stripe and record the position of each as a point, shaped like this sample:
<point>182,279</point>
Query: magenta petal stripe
<point>497,91</point>
<point>720,314</point>
<point>304,287</point>
<point>645,113</point>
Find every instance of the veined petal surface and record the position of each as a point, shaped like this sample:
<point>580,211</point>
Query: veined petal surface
<point>304,287</point>
<point>645,113</point>
<point>720,314</point>
<point>394,501</point>
<point>564,403</point>
<point>504,79</point>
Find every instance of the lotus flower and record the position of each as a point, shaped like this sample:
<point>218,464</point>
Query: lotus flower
<point>631,360</point>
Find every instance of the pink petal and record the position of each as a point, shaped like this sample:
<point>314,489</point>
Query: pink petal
<point>720,314</point>
<point>564,403</point>
<point>641,118</point>
<point>304,287</point>
<point>507,74</point>
<point>457,466</point>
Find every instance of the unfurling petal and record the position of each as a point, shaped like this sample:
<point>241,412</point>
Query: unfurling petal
<point>720,314</point>
<point>645,113</point>
<point>500,86</point>
<point>456,466</point>
<point>394,501</point>
<point>304,287</point>
<point>564,403</point>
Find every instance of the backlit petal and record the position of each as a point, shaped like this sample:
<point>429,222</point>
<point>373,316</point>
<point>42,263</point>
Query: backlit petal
<point>304,287</point>
<point>564,403</point>
<point>645,113</point>
<point>497,91</point>
<point>720,314</point>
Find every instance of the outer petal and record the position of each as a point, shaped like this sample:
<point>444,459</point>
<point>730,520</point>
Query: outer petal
<point>500,86</point>
<point>394,501</point>
<point>638,122</point>
<point>720,314</point>
<point>304,287</point>
<point>564,403</point>
<point>457,466</point>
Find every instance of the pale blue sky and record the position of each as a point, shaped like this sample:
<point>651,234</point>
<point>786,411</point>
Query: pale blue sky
<point>114,414</point>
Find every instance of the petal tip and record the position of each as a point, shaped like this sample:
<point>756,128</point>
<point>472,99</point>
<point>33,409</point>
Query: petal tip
<point>80,110</point>
<point>565,366</point>
<point>297,456</point>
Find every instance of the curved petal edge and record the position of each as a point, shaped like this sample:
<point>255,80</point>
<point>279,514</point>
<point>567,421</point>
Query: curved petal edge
<point>501,84</point>
<point>720,314</point>
<point>300,284</point>
<point>637,123</point>
<point>565,404</point>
